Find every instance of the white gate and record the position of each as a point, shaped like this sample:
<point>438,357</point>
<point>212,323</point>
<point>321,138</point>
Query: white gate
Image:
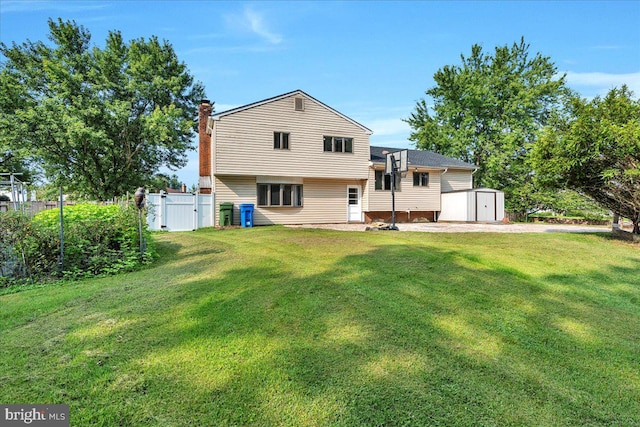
<point>179,211</point>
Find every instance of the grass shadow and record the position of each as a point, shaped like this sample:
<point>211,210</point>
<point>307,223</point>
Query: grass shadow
<point>288,329</point>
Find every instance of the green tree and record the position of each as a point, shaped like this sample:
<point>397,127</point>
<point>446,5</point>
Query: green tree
<point>17,163</point>
<point>162,181</point>
<point>99,121</point>
<point>593,147</point>
<point>12,159</point>
<point>488,111</point>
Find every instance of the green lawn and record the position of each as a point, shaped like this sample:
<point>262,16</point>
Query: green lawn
<point>273,326</point>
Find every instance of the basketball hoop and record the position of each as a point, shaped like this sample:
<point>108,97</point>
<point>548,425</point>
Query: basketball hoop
<point>401,160</point>
<point>397,162</point>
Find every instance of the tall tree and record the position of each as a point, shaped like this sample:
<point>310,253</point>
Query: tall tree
<point>488,111</point>
<point>12,159</point>
<point>100,121</point>
<point>594,148</point>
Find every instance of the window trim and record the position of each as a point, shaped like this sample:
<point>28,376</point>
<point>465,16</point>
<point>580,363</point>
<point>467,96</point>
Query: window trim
<point>334,141</point>
<point>295,195</point>
<point>382,181</point>
<point>280,143</point>
<point>422,177</point>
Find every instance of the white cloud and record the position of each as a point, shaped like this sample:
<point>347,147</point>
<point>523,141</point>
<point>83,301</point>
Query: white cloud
<point>253,22</point>
<point>259,27</point>
<point>601,83</point>
<point>388,127</point>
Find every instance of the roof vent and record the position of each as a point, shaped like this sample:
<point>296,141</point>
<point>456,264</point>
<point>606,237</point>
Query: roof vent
<point>299,104</point>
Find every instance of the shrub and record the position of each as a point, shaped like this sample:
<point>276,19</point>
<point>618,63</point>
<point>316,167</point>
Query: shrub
<point>24,249</point>
<point>98,240</point>
<point>14,243</point>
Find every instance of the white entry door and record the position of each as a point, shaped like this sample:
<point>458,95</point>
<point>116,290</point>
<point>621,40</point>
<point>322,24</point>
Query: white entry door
<point>485,206</point>
<point>354,204</point>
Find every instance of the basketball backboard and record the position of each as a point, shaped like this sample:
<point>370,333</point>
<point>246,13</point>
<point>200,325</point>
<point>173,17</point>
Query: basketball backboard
<point>401,162</point>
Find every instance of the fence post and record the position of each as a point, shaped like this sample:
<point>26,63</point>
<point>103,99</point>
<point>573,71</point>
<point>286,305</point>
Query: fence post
<point>61,261</point>
<point>195,210</point>
<point>161,211</point>
<point>13,192</point>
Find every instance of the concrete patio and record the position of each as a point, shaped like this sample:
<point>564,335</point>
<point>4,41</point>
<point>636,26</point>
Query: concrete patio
<point>449,227</point>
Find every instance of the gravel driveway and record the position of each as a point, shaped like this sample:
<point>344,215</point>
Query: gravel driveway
<point>444,227</point>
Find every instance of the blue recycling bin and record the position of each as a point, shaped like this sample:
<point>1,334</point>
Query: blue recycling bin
<point>246,214</point>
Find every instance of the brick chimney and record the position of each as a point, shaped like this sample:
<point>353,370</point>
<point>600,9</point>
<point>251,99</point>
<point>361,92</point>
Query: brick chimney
<point>204,147</point>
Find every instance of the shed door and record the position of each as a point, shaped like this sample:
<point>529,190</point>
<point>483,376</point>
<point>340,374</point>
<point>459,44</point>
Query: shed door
<point>354,204</point>
<point>485,206</point>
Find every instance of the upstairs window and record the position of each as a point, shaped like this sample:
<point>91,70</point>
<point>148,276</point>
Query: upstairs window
<point>338,144</point>
<point>383,181</point>
<point>420,179</point>
<point>280,141</point>
<point>328,143</point>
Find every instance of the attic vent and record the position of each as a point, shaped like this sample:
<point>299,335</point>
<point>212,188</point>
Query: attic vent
<point>299,102</point>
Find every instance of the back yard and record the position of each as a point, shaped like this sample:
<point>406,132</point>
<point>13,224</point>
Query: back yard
<point>301,327</point>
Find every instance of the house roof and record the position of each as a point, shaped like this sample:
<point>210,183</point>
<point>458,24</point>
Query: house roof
<point>421,158</point>
<point>217,116</point>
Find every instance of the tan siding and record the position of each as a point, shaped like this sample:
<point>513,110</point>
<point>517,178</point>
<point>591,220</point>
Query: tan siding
<point>325,201</point>
<point>237,189</point>
<point>455,180</point>
<point>244,142</point>
<point>367,187</point>
<point>408,197</point>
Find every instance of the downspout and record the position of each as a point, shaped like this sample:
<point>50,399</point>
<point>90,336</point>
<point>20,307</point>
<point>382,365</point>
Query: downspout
<point>474,171</point>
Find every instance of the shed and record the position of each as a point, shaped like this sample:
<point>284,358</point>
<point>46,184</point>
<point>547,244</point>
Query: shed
<point>475,205</point>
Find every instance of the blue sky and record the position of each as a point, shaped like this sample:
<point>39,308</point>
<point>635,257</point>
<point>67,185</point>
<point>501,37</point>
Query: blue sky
<point>369,60</point>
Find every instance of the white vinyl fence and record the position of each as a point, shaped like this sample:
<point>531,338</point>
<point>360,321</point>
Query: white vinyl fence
<point>179,211</point>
